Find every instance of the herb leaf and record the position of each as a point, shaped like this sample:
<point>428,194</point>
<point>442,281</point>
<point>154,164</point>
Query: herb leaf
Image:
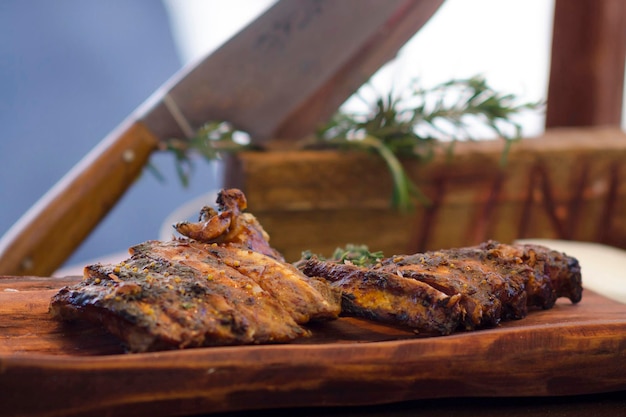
<point>358,255</point>
<point>211,141</point>
<point>414,124</point>
<point>409,125</point>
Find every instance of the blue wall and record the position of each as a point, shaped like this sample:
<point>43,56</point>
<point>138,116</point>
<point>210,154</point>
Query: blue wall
<point>70,72</point>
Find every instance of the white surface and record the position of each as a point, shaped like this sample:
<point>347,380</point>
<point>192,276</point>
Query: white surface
<point>603,267</point>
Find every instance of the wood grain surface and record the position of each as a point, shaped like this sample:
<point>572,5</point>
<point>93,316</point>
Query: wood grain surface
<point>566,184</point>
<point>587,57</point>
<point>78,369</point>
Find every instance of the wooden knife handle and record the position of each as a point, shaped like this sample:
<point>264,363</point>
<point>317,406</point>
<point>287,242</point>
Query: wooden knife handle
<point>55,226</point>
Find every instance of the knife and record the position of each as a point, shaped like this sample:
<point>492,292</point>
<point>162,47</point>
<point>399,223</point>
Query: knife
<point>277,79</point>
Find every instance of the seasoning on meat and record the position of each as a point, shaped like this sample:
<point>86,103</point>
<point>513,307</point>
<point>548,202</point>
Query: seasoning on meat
<point>222,284</point>
<point>473,287</point>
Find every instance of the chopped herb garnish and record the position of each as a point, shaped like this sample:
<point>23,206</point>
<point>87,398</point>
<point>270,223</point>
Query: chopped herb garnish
<point>358,255</point>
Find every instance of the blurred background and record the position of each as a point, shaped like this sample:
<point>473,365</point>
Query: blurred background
<point>72,70</point>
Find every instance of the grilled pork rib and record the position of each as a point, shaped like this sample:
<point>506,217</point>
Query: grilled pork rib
<point>389,298</point>
<point>484,285</point>
<point>229,287</point>
<point>223,284</point>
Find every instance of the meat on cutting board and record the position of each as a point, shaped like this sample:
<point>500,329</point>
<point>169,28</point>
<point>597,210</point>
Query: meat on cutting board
<point>222,284</point>
<point>463,288</point>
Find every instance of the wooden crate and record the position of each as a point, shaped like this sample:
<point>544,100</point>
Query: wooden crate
<point>566,184</point>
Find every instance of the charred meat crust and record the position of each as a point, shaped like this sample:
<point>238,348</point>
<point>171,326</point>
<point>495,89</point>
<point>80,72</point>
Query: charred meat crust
<point>229,225</point>
<point>484,284</point>
<point>155,303</point>
<point>388,298</point>
<point>314,301</point>
<point>221,284</point>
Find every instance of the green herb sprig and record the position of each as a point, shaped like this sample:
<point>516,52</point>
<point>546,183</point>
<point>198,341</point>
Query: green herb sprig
<point>212,141</point>
<point>411,125</point>
<point>358,255</point>
<point>417,121</point>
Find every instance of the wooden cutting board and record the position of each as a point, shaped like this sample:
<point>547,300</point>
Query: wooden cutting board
<point>55,369</point>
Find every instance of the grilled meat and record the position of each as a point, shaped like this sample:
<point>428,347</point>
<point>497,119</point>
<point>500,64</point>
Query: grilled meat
<point>223,284</point>
<point>227,287</point>
<point>229,225</point>
<point>486,284</point>
<point>389,298</point>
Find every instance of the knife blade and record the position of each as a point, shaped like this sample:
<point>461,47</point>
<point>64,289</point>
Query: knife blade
<point>277,79</point>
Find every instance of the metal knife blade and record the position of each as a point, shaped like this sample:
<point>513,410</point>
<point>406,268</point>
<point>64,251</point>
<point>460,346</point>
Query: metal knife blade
<point>277,79</point>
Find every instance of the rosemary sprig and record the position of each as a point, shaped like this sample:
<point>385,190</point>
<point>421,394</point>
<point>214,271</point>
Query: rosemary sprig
<point>408,125</point>
<point>211,141</point>
<point>404,190</point>
<point>413,124</point>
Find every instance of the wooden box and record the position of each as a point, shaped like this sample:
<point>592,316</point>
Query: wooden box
<point>566,184</point>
